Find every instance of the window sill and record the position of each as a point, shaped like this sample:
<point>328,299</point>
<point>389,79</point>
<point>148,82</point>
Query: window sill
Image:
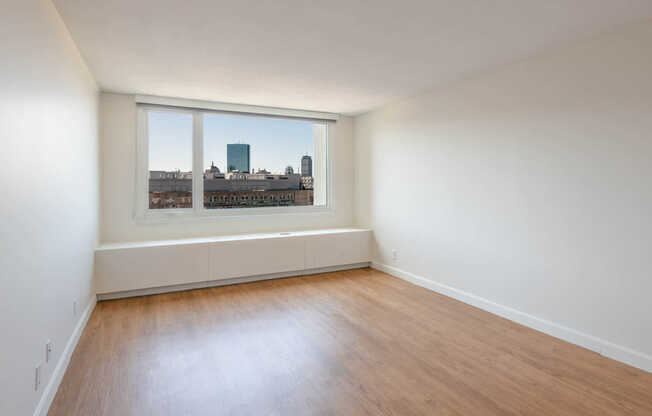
<point>228,238</point>
<point>163,216</point>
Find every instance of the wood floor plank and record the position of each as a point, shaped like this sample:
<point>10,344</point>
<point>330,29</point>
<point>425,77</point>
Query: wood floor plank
<point>355,342</point>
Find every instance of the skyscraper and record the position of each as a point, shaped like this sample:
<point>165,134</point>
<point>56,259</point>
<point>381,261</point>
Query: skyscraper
<point>306,166</point>
<point>237,157</point>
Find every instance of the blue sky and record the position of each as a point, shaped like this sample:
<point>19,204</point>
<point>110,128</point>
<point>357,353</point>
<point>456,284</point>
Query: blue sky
<point>275,143</point>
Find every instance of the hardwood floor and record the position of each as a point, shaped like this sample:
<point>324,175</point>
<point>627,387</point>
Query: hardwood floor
<point>357,342</point>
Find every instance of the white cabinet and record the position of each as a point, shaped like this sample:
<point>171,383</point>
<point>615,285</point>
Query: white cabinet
<point>335,249</point>
<point>231,259</point>
<point>156,264</point>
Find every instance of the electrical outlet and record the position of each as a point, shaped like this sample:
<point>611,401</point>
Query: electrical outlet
<point>37,377</point>
<point>394,254</point>
<point>74,307</point>
<point>49,347</point>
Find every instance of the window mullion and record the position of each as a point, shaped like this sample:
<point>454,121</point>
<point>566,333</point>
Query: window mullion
<point>142,165</point>
<point>197,161</point>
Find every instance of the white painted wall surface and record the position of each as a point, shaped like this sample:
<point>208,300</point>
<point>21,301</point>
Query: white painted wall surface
<point>529,186</point>
<point>118,146</point>
<point>49,181</point>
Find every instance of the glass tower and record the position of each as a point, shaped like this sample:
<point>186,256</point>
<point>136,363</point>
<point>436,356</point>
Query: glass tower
<point>306,166</point>
<point>237,157</point>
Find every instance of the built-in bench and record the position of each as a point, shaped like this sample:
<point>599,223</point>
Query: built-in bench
<point>134,269</point>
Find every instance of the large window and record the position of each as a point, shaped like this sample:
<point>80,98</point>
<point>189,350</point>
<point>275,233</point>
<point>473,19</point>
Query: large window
<point>202,162</point>
<point>170,159</point>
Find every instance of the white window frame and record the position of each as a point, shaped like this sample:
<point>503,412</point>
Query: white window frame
<point>142,212</point>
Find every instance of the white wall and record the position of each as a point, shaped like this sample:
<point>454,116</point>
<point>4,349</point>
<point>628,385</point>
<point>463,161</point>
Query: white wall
<point>529,186</point>
<point>49,181</point>
<point>118,144</point>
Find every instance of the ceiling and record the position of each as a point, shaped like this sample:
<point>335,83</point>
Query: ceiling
<point>344,56</point>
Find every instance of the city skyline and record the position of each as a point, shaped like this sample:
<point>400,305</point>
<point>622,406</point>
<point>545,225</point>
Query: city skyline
<point>275,143</point>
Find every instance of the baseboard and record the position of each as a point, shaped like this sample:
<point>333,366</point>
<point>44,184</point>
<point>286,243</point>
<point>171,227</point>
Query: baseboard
<point>57,375</point>
<point>224,282</point>
<point>606,348</point>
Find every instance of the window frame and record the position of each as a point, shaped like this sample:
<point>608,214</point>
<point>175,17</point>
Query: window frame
<point>142,212</point>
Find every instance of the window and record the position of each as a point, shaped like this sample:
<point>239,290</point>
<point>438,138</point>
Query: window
<point>205,162</point>
<point>170,159</point>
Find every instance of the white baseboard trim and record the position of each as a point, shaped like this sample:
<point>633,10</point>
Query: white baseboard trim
<point>57,375</point>
<point>225,282</point>
<point>606,348</point>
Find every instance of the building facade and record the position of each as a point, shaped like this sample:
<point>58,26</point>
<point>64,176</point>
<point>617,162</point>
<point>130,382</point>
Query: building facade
<point>230,190</point>
<point>238,157</point>
<point>306,166</point>
<point>249,199</point>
